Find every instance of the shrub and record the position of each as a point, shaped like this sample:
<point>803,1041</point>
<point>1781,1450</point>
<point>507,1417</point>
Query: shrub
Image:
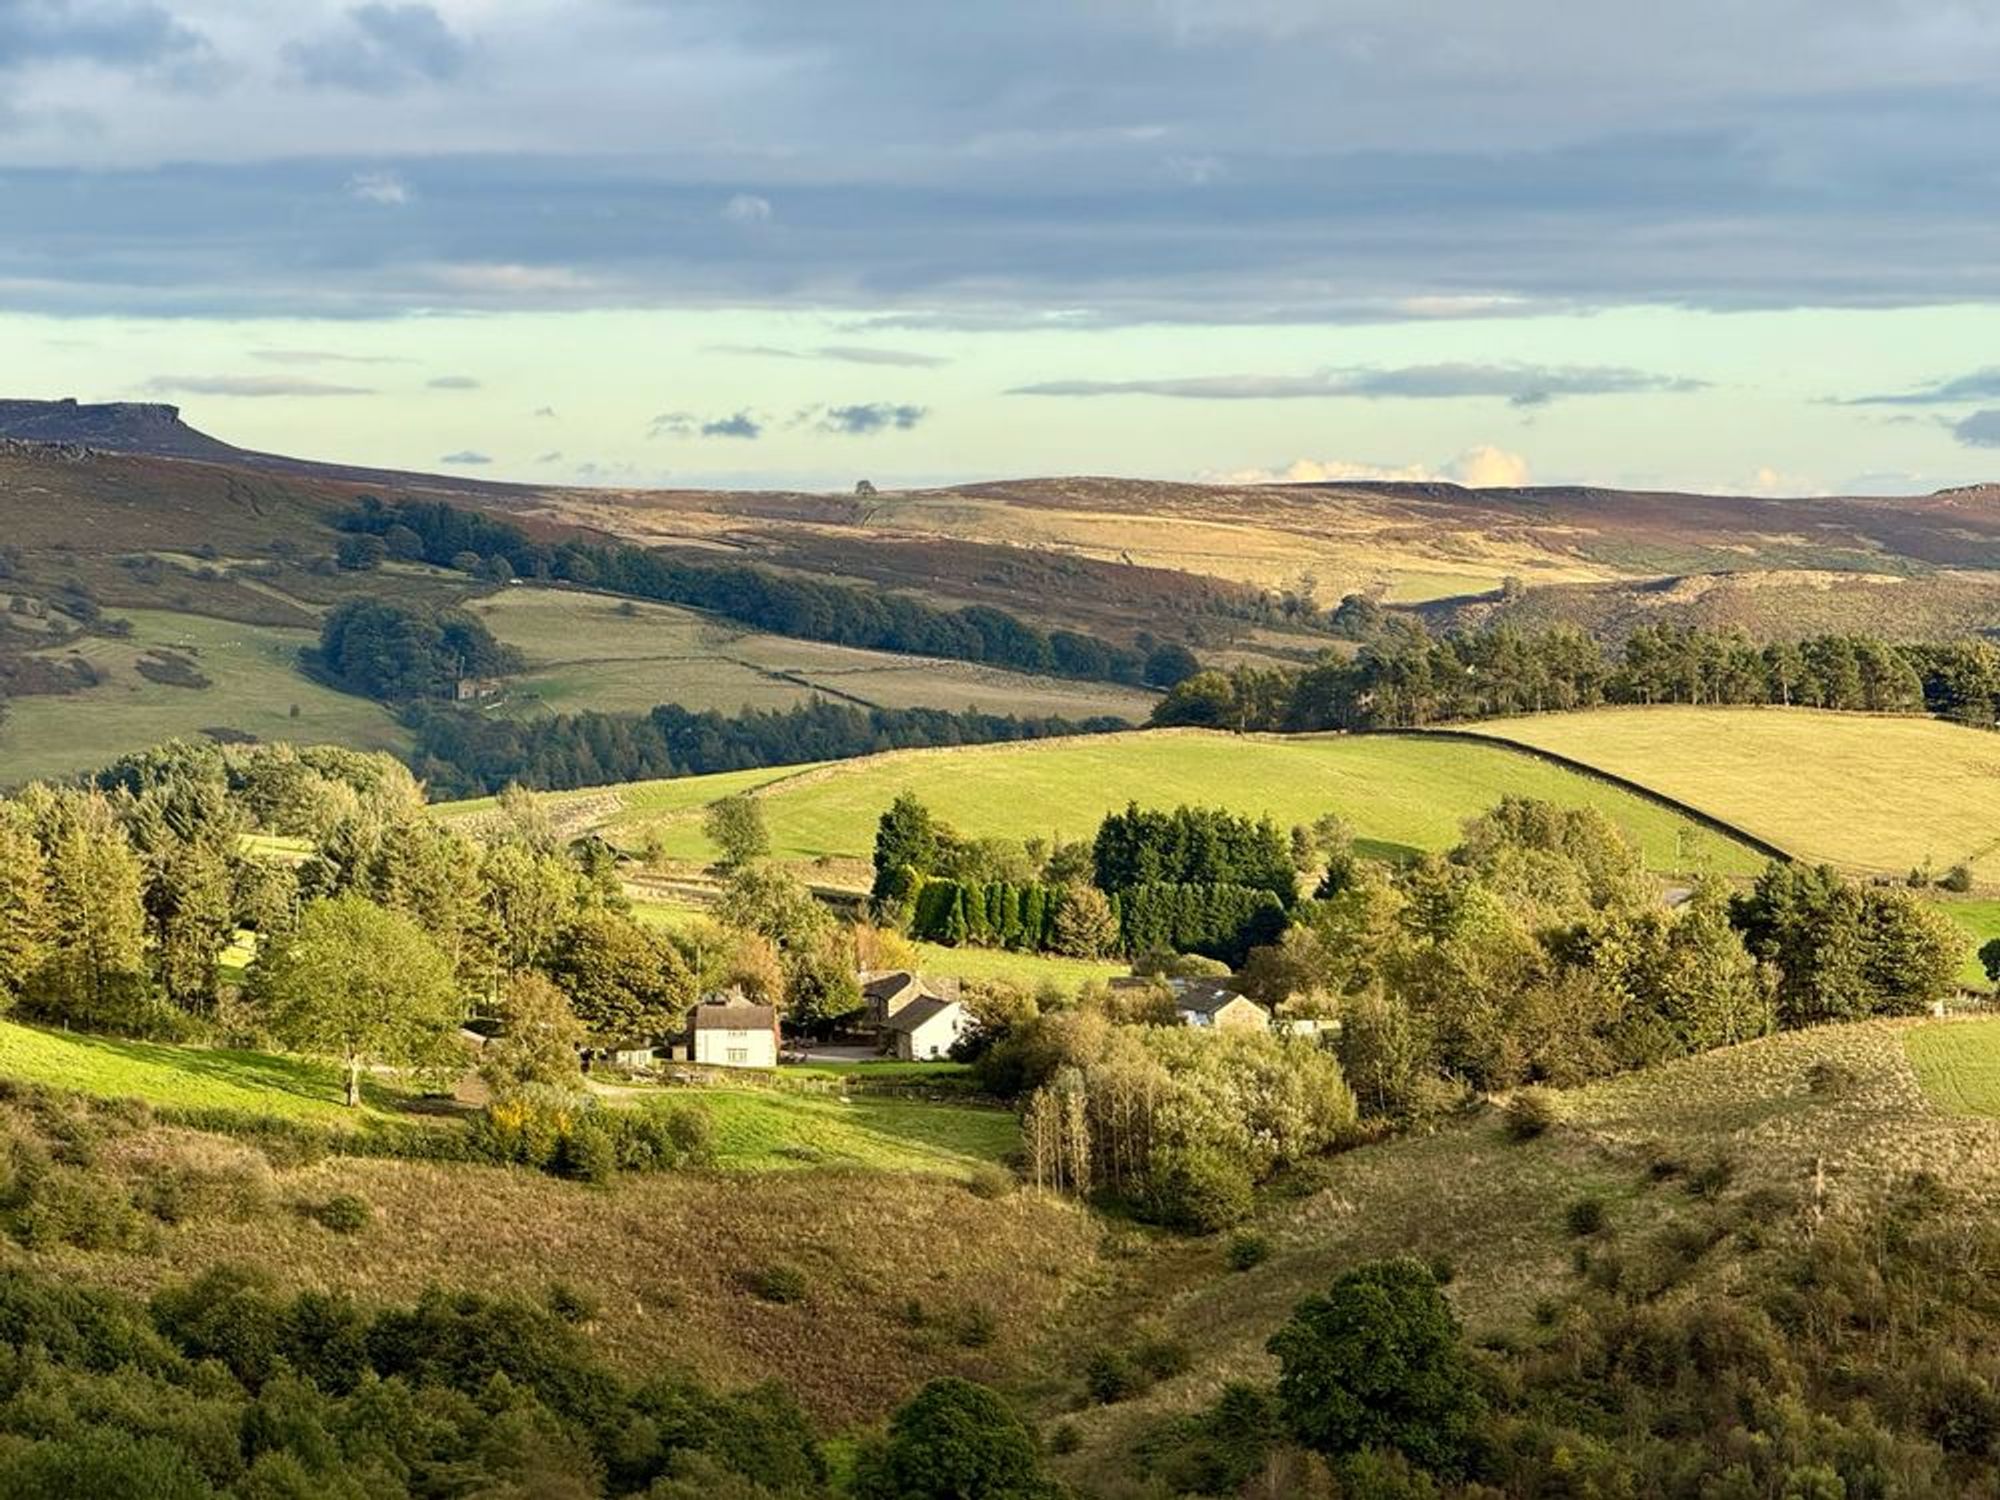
<point>1065,1439</point>
<point>990,1181</point>
<point>66,1206</point>
<point>1586,1216</point>
<point>1831,1076</point>
<point>586,1153</point>
<point>662,1139</point>
<point>1197,1190</point>
<point>233,1187</point>
<point>1531,1112</point>
<point>1712,1178</point>
<point>1162,1357</point>
<point>1958,879</point>
<point>976,1326</point>
<point>571,1304</point>
<point>781,1283</point>
<point>1111,1377</point>
<point>1247,1251</point>
<point>345,1213</point>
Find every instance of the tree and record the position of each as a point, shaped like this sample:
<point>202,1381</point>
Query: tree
<point>24,910</point>
<point>1085,925</point>
<point>539,1039</point>
<point>820,984</point>
<point>361,554</point>
<point>735,825</point>
<point>1989,959</point>
<point>624,983</point>
<point>95,899</point>
<point>1170,665</point>
<point>906,835</point>
<point>953,1440</point>
<point>1377,1363</point>
<point>360,983</point>
<point>774,902</point>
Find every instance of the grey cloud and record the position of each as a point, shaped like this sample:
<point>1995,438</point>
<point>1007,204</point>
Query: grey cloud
<point>466,457</point>
<point>248,385</point>
<point>323,357</point>
<point>868,418</point>
<point>454,383</point>
<point>545,411</point>
<point>1980,430</point>
<point>672,424</point>
<point>741,425</point>
<point>1520,385</point>
<point>115,33</point>
<point>853,354</point>
<point>1980,385</point>
<point>380,49</point>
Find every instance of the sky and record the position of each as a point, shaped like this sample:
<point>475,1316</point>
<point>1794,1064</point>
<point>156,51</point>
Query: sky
<point>791,243</point>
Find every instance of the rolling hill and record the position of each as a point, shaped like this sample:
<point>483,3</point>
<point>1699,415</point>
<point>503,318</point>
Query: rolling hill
<point>1399,793</point>
<point>1873,795</point>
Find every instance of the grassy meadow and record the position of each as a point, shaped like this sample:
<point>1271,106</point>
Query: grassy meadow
<point>1958,1064</point>
<point>1400,793</point>
<point>1876,795</point>
<point>253,684</point>
<point>597,652</point>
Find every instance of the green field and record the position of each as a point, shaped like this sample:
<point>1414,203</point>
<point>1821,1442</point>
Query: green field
<point>254,684</point>
<point>1872,794</point>
<point>1981,921</point>
<point>592,651</point>
<point>1958,1064</point>
<point>761,1130</point>
<point>183,1077</point>
<point>1400,793</point>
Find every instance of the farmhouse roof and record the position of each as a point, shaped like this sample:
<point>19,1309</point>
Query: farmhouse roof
<point>1203,996</point>
<point>918,1012</point>
<point>735,1017</point>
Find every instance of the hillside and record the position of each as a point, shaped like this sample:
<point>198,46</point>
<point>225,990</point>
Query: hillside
<point>1842,1106</point>
<point>1399,793</point>
<point>1875,795</point>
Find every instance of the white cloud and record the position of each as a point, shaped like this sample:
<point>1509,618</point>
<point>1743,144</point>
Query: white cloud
<point>485,277</point>
<point>747,208</point>
<point>386,188</point>
<point>248,385</point>
<point>1484,467</point>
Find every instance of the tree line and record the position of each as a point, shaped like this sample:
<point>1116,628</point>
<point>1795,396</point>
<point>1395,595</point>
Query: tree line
<point>399,653</point>
<point>462,754</point>
<point>814,609</point>
<point>1403,678</point>
<point>1194,880</point>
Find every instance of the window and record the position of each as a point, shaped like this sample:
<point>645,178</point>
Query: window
<point>739,1054</point>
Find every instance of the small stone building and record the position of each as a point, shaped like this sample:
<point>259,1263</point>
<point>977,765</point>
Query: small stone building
<point>731,1032</point>
<point>926,1030</point>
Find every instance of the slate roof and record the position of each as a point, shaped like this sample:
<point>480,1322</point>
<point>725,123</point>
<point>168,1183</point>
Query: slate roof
<point>735,1017</point>
<point>917,1012</point>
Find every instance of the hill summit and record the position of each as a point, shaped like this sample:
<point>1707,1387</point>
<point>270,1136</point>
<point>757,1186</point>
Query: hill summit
<point>145,427</point>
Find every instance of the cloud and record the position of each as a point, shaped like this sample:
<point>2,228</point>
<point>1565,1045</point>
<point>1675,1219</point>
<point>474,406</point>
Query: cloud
<point>1483,467</point>
<point>323,357</point>
<point>741,425</point>
<point>128,34</point>
<point>454,383</point>
<point>385,188</point>
<point>853,354</point>
<point>1980,430</point>
<point>545,411</point>
<point>380,49</point>
<point>509,280</point>
<point>673,424</point>
<point>866,419</point>
<point>466,458</point>
<point>1520,385</point>
<point>1980,385</point>
<point>248,385</point>
<point>747,208</point>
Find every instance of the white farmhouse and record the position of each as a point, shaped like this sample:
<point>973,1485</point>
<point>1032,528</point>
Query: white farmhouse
<point>925,1030</point>
<point>734,1034</point>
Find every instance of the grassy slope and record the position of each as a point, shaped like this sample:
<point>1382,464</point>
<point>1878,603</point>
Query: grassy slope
<point>187,1077</point>
<point>1398,793</point>
<point>588,651</point>
<point>254,681</point>
<point>1494,1208</point>
<point>1981,920</point>
<point>1870,794</point>
<point>1959,1065</point>
<point>765,1130</point>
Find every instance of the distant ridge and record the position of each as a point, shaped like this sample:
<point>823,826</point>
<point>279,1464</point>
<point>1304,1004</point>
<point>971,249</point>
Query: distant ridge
<point>154,429</point>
